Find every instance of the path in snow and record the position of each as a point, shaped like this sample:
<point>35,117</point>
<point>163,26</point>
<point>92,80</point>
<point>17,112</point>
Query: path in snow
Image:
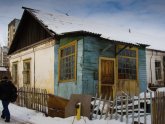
<point>13,121</point>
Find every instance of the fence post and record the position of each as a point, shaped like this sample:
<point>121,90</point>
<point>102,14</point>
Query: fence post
<point>94,106</point>
<point>161,110</point>
<point>133,110</point>
<point>121,118</point>
<point>98,107</point>
<point>108,108</point>
<point>127,109</point>
<point>144,107</point>
<point>42,102</point>
<point>151,110</point>
<point>138,109</point>
<point>103,106</point>
<point>111,112</point>
<point>163,105</point>
<point>116,109</point>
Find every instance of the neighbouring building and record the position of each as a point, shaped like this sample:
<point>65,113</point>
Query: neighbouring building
<point>4,61</point>
<point>65,56</point>
<point>12,27</point>
<point>4,71</point>
<point>155,61</point>
<point>0,55</point>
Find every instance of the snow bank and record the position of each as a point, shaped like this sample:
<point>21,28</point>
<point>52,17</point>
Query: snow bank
<point>23,114</point>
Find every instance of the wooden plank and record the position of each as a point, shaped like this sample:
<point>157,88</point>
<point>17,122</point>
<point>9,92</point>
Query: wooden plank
<point>46,99</point>
<point>39,99</point>
<point>121,117</point>
<point>138,109</point>
<point>98,107</point>
<point>160,108</point>
<point>56,106</point>
<point>104,101</point>
<point>133,110</point>
<point>163,106</point>
<point>42,102</point>
<point>113,108</point>
<point>127,109</point>
<point>144,107</point>
<point>94,104</point>
<point>108,109</point>
<point>33,97</point>
<point>151,107</point>
<point>156,110</point>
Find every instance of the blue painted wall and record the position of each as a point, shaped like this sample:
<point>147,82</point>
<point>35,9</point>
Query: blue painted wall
<point>142,69</point>
<point>92,51</point>
<point>65,89</point>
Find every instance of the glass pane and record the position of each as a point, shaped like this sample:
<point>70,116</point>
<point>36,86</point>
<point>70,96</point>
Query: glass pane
<point>127,68</point>
<point>67,63</point>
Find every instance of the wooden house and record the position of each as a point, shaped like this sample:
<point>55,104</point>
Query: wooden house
<point>155,61</point>
<point>66,56</point>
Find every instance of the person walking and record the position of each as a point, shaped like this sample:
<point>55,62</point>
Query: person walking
<point>7,91</point>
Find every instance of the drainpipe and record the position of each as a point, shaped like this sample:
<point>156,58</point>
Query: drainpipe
<point>34,69</point>
<point>151,66</point>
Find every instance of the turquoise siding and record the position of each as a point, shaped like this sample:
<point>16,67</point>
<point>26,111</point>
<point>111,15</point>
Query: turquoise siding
<point>67,88</point>
<point>142,70</point>
<point>92,51</point>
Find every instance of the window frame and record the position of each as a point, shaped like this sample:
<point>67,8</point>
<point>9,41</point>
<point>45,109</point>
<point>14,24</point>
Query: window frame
<point>159,69</point>
<point>73,43</point>
<point>129,57</point>
<point>27,61</point>
<point>15,72</point>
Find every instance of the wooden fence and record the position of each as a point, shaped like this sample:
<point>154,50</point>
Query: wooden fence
<point>158,104</point>
<point>135,109</point>
<point>147,108</point>
<point>31,98</point>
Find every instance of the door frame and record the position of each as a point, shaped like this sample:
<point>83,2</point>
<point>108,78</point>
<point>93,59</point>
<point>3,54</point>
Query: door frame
<point>17,74</point>
<point>114,87</point>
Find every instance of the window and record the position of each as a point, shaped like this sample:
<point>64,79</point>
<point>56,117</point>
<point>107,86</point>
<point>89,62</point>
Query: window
<point>26,72</point>
<point>14,72</point>
<point>67,63</point>
<point>158,70</point>
<point>127,64</point>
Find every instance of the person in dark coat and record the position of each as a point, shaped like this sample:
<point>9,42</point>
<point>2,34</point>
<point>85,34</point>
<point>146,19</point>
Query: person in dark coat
<point>6,91</point>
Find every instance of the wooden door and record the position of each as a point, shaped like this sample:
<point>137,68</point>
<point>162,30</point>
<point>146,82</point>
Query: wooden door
<point>107,77</point>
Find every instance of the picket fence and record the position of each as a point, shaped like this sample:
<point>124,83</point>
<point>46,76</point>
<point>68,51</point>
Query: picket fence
<point>147,108</point>
<point>31,98</point>
<point>158,107</point>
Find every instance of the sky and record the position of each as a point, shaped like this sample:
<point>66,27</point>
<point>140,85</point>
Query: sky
<point>144,16</point>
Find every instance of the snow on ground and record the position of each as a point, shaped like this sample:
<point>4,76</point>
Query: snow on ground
<point>162,89</point>
<point>22,115</point>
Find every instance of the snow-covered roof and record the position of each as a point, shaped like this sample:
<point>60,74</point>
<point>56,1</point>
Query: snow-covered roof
<point>3,69</point>
<point>162,89</point>
<point>61,24</point>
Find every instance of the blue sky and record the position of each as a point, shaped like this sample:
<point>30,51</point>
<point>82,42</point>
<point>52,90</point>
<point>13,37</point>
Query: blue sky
<point>144,16</point>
